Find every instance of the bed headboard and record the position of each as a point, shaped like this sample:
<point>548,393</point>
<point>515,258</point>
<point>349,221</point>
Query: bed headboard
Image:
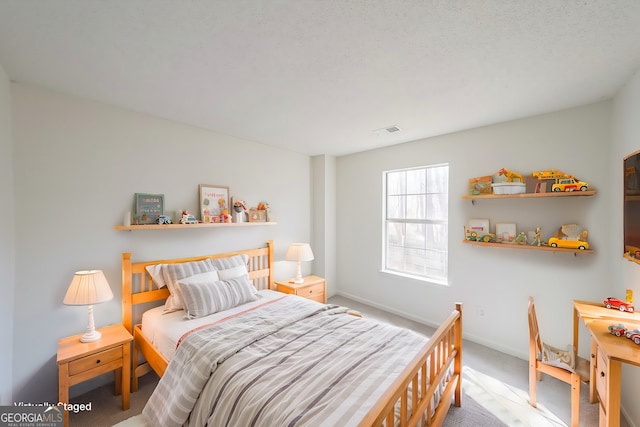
<point>138,287</point>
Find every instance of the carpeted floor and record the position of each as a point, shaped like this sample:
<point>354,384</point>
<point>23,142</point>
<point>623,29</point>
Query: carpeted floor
<point>487,374</point>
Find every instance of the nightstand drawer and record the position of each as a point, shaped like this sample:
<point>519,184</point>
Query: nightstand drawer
<point>94,360</point>
<point>313,292</point>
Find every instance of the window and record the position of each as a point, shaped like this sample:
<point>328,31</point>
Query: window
<point>415,230</point>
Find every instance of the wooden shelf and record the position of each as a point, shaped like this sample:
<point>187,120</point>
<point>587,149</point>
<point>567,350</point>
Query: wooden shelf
<point>198,225</point>
<point>527,247</point>
<point>532,195</point>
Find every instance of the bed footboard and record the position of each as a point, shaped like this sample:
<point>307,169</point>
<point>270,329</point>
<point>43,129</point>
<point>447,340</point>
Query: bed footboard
<point>436,369</point>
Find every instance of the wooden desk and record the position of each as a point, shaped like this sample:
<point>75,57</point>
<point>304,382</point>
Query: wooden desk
<point>608,352</point>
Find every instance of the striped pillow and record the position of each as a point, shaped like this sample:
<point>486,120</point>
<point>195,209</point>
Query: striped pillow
<point>171,273</point>
<point>203,296</point>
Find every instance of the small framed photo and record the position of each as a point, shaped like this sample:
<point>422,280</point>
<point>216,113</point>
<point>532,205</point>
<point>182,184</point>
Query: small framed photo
<point>213,200</point>
<point>148,207</point>
<point>256,215</point>
<point>480,226</point>
<point>506,232</point>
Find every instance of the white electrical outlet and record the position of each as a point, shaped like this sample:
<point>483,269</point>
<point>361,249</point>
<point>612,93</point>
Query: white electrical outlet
<point>480,311</point>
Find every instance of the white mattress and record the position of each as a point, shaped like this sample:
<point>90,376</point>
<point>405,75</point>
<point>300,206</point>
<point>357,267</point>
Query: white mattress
<point>165,330</point>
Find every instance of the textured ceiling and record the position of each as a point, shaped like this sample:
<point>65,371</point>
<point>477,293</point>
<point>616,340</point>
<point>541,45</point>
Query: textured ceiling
<point>320,77</point>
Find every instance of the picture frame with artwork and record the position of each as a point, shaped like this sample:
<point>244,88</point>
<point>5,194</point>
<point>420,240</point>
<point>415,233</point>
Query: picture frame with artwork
<point>148,207</point>
<point>256,215</point>
<point>506,232</point>
<point>214,199</point>
<point>478,225</point>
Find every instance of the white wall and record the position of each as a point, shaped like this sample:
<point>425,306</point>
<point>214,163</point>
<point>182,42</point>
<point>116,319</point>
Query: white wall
<point>499,280</point>
<point>77,167</point>
<point>625,274</point>
<point>7,250</point>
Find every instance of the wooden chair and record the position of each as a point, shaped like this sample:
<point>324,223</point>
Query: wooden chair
<point>537,368</point>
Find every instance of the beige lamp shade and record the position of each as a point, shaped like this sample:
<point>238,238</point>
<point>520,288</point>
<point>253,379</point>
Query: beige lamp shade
<point>87,288</point>
<point>299,252</point>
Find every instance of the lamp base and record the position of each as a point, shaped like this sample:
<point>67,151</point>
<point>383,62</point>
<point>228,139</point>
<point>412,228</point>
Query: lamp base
<point>297,280</point>
<point>90,336</point>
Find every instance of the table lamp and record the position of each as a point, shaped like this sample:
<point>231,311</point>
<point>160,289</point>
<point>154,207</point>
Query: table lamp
<point>87,288</point>
<point>299,252</point>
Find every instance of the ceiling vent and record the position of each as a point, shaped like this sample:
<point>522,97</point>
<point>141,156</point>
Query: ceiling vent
<point>388,129</point>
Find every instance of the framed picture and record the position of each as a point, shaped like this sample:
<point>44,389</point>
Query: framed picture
<point>148,207</point>
<point>256,215</point>
<point>480,226</point>
<point>213,200</point>
<point>506,232</point>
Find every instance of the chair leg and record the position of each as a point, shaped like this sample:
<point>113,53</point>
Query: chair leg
<point>533,378</point>
<point>575,400</point>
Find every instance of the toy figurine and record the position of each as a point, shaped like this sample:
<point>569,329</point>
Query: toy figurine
<point>521,238</point>
<point>536,239</point>
<point>511,175</point>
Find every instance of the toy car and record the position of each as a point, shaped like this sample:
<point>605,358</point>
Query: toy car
<point>635,338</point>
<point>164,219</point>
<point>487,238</point>
<point>630,332</point>
<point>572,244</point>
<point>617,330</point>
<point>569,184</point>
<point>616,303</point>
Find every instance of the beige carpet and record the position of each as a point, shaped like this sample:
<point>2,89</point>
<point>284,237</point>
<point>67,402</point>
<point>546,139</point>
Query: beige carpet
<point>508,404</point>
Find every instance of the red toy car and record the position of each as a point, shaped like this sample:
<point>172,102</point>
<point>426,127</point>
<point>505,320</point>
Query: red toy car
<point>617,330</point>
<point>635,338</point>
<point>611,302</point>
<point>630,332</point>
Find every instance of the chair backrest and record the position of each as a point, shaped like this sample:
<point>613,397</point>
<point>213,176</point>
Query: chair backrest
<point>534,334</point>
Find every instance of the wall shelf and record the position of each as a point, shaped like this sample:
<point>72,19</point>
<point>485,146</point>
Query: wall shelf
<point>198,225</point>
<point>532,195</point>
<point>527,247</point>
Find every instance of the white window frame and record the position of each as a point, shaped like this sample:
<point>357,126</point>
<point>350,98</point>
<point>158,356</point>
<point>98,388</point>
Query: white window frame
<point>434,247</point>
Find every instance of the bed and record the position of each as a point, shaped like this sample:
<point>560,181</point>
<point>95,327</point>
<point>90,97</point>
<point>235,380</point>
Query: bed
<point>405,380</point>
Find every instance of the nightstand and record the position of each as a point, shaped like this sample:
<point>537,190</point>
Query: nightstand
<point>78,362</point>
<point>313,288</point>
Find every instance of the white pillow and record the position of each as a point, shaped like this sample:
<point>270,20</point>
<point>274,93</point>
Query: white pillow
<point>203,296</point>
<point>231,267</point>
<point>155,271</point>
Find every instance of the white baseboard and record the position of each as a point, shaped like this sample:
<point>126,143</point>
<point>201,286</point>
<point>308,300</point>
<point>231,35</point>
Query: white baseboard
<point>434,324</point>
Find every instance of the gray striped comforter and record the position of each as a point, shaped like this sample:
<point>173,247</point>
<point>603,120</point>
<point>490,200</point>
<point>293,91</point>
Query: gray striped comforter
<point>290,362</point>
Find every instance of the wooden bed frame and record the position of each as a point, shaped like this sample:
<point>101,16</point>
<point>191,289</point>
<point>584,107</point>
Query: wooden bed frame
<point>444,349</point>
